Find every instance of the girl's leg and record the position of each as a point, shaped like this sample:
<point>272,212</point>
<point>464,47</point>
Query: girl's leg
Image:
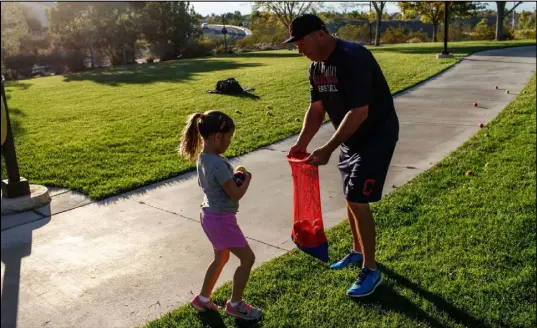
<point>247,258</point>
<point>213,272</point>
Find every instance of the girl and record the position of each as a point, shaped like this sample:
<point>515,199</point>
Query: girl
<point>220,204</point>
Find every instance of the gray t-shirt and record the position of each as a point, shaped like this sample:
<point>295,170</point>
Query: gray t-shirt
<point>213,172</point>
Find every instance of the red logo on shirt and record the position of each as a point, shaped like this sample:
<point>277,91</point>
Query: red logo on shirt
<point>325,78</point>
<point>368,187</point>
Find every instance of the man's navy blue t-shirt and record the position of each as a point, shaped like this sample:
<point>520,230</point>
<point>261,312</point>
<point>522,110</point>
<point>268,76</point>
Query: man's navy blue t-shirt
<point>352,78</point>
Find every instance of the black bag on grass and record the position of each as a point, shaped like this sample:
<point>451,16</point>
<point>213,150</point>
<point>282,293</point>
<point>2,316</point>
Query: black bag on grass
<point>228,86</point>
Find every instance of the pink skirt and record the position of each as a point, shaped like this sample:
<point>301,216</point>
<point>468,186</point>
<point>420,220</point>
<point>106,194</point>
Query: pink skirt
<point>222,230</point>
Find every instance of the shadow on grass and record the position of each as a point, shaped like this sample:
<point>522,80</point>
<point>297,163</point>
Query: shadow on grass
<point>214,319</point>
<point>16,85</point>
<point>291,54</point>
<point>16,118</point>
<point>386,297</point>
<point>244,94</point>
<point>175,71</point>
<point>211,319</point>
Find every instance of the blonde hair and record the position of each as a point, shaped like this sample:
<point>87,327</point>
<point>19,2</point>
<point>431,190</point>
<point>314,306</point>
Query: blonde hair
<point>200,126</point>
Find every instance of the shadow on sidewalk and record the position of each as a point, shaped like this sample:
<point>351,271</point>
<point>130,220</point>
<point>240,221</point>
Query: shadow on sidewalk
<point>16,244</point>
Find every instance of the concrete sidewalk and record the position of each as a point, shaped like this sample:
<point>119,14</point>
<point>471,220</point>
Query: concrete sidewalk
<point>130,259</point>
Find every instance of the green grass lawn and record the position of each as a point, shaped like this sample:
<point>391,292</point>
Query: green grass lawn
<point>454,250</point>
<point>109,131</point>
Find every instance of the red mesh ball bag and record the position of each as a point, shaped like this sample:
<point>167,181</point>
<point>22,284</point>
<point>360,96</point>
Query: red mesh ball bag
<point>308,230</point>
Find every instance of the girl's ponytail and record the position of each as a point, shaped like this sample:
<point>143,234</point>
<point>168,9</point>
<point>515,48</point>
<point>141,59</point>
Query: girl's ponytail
<point>191,139</point>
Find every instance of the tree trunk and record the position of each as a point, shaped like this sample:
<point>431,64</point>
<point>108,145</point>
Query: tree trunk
<point>500,5</point>
<point>377,30</point>
<point>379,9</point>
<point>435,31</point>
<point>92,55</point>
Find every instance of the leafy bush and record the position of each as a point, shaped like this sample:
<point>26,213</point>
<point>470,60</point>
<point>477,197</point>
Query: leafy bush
<point>163,51</point>
<point>395,35</point>
<point>525,34</point>
<point>199,47</point>
<point>354,33</point>
<point>57,60</point>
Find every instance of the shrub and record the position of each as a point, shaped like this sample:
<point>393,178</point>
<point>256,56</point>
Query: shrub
<point>21,63</point>
<point>354,33</point>
<point>417,37</point>
<point>525,34</point>
<point>483,31</point>
<point>394,35</point>
<point>199,47</point>
<point>456,32</point>
<point>57,60</point>
<point>163,51</point>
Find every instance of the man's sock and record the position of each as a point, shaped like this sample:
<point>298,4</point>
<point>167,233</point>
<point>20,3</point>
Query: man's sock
<point>204,299</point>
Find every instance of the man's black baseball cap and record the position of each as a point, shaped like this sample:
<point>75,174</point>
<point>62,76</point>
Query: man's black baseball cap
<point>304,25</point>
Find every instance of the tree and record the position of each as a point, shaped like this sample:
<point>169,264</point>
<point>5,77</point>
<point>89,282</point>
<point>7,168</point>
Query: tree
<point>266,28</point>
<point>34,24</point>
<point>427,11</point>
<point>350,6</point>
<point>286,11</point>
<point>74,25</point>
<point>433,12</point>
<point>14,28</point>
<point>396,16</point>
<point>379,10</point>
<point>526,20</point>
<point>501,13</point>
<point>356,15</point>
<point>118,29</point>
<point>170,25</point>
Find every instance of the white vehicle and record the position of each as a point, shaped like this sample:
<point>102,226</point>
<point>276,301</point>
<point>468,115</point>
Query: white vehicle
<point>204,26</point>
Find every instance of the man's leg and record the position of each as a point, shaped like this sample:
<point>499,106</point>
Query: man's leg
<point>353,222</point>
<point>366,232</point>
<point>369,277</point>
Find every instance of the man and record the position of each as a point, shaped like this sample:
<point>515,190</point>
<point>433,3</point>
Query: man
<point>347,83</point>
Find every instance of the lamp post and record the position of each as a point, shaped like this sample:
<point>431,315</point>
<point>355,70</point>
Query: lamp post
<point>446,27</point>
<point>14,186</point>
<point>445,53</point>
<point>224,31</point>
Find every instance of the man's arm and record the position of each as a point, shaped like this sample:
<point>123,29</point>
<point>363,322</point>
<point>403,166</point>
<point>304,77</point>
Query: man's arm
<point>312,122</point>
<point>350,124</point>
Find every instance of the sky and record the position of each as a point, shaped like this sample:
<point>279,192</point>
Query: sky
<point>206,8</point>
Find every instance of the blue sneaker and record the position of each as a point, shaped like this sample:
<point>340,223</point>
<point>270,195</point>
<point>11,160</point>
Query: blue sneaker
<point>366,283</point>
<point>349,259</point>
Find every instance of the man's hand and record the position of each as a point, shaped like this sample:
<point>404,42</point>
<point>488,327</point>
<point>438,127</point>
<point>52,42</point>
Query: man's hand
<point>320,156</point>
<point>297,148</point>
